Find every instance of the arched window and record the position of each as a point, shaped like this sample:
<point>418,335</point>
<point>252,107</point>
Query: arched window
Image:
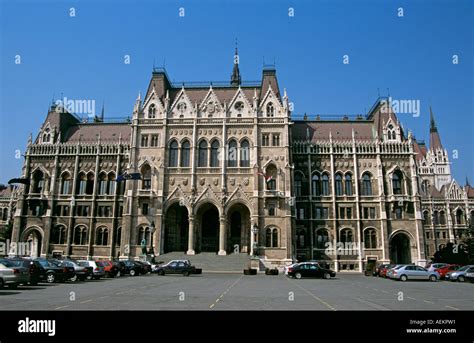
<point>244,153</point>
<point>338,184</point>
<point>112,183</point>
<point>298,184</point>
<point>366,184</point>
<point>66,183</point>
<point>426,218</point>
<point>38,181</point>
<point>90,184</point>
<point>370,239</point>
<point>325,188</point>
<point>271,238</point>
<point>80,235</point>
<point>102,237</point>
<point>144,233</point>
<point>321,237</point>
<point>118,236</point>
<point>346,236</point>
<point>459,217</point>
<point>435,218</point>
<point>215,153</point>
<point>270,110</point>
<point>185,154</point>
<point>146,177</point>
<point>442,218</point>
<point>397,179</point>
<point>202,155</point>
<point>315,183</point>
<point>173,154</point>
<point>103,182</point>
<point>232,154</point>
<point>5,214</point>
<point>348,184</point>
<point>82,183</point>
<point>271,173</point>
<point>58,235</point>
<point>151,111</point>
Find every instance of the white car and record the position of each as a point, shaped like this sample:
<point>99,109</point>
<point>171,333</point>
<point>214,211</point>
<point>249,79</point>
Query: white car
<point>97,271</point>
<point>288,267</point>
<point>435,266</point>
<point>460,274</point>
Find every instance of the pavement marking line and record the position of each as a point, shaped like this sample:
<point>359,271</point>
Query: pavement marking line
<point>227,290</point>
<point>60,307</point>
<point>373,305</point>
<point>105,296</point>
<point>452,307</point>
<point>312,295</point>
<point>411,298</point>
<point>428,302</point>
<point>86,301</point>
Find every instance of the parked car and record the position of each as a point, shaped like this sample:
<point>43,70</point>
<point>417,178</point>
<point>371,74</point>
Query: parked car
<point>97,271</point>
<point>33,270</point>
<point>81,270</point>
<point>460,274</point>
<point>109,268</point>
<point>306,269</point>
<point>470,276</point>
<point>447,268</point>
<point>384,268</point>
<point>51,271</point>
<point>131,267</point>
<point>433,266</point>
<point>12,276</point>
<point>176,267</point>
<point>288,268</point>
<point>120,268</point>
<point>145,267</point>
<point>412,272</point>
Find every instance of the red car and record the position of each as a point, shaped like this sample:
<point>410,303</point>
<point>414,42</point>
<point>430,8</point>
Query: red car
<point>446,269</point>
<point>384,268</point>
<point>109,268</point>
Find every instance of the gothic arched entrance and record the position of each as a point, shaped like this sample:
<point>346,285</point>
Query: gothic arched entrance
<point>176,228</point>
<point>400,249</point>
<point>34,246</point>
<point>239,229</point>
<point>208,230</point>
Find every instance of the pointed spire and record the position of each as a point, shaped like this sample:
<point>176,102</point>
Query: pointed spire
<point>102,112</point>
<point>467,182</point>
<point>235,78</point>
<point>435,140</point>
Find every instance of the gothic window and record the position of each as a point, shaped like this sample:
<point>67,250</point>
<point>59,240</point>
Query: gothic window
<point>58,235</point>
<point>298,184</point>
<point>459,217</point>
<point>270,110</point>
<point>151,111</point>
<point>65,183</point>
<point>442,218</point>
<point>90,184</point>
<point>103,184</point>
<point>80,235</point>
<point>232,154</point>
<point>154,140</point>
<point>215,153</point>
<point>366,184</point>
<point>185,154</point>
<point>346,236</point>
<point>102,237</point>
<point>435,218</point>
<point>82,180</point>
<point>271,238</point>
<point>144,233</point>
<point>146,177</point>
<point>244,153</point>
<point>426,218</point>
<point>265,139</point>
<point>276,139</point>
<point>316,185</point>
<point>338,184</point>
<point>325,184</point>
<point>397,179</point>
<point>38,181</point>
<point>348,184</point>
<point>322,237</point>
<point>239,107</point>
<point>144,142</point>
<point>112,183</point>
<point>370,239</point>
<point>202,155</point>
<point>271,173</point>
<point>173,154</point>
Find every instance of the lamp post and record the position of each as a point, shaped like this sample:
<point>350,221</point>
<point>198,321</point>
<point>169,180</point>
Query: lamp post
<point>152,231</point>
<point>254,240</point>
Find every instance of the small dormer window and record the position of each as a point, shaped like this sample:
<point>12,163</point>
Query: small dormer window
<point>182,107</point>
<point>391,135</point>
<point>47,136</point>
<point>152,111</point>
<point>270,110</point>
<point>239,107</point>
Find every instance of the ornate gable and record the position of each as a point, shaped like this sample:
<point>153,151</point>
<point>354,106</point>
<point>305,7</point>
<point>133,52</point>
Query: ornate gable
<point>153,107</point>
<point>211,105</point>
<point>182,106</point>
<point>208,194</point>
<point>178,193</point>
<point>239,194</point>
<point>239,105</point>
<point>270,105</point>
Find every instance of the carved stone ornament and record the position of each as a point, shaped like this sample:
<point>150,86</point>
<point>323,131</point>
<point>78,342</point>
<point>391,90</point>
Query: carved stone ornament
<point>202,181</point>
<point>172,181</point>
<point>185,182</point>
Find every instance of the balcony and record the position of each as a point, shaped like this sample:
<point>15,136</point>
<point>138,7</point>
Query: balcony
<point>274,194</point>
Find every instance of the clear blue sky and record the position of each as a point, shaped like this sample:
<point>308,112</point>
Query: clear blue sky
<point>82,58</point>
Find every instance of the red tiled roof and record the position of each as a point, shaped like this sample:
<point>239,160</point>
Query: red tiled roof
<point>109,132</point>
<point>340,130</point>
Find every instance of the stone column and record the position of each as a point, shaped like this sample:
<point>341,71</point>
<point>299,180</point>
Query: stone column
<point>191,236</point>
<point>222,236</point>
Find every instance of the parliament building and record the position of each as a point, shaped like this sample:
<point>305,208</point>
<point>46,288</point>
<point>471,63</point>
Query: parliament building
<point>223,167</point>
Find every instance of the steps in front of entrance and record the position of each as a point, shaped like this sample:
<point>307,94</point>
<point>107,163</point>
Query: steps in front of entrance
<point>210,262</point>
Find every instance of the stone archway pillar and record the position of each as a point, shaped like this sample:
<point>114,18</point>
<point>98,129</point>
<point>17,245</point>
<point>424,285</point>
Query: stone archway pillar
<point>191,236</point>
<point>222,236</point>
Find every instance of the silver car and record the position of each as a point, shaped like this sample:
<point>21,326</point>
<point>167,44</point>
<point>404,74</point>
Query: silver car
<point>13,276</point>
<point>98,271</point>
<point>460,274</point>
<point>411,272</point>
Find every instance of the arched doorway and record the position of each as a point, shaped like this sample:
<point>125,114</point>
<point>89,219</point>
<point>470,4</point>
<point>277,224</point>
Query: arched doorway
<point>400,250</point>
<point>208,231</point>
<point>176,228</point>
<point>239,229</point>
<point>34,240</point>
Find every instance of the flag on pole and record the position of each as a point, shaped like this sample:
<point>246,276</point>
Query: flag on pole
<point>22,180</point>
<point>267,178</point>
